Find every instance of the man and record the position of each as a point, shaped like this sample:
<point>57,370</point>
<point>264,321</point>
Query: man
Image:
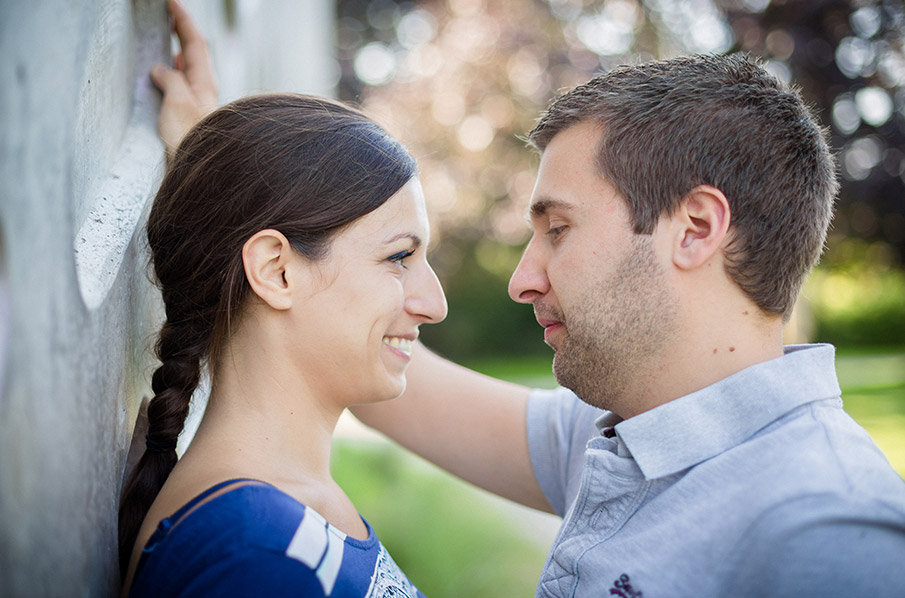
<point>679,205</point>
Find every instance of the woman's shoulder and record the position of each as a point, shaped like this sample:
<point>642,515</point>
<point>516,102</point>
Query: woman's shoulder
<point>256,539</point>
<point>257,509</point>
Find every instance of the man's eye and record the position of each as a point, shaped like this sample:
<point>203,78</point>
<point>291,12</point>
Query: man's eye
<point>399,258</point>
<point>556,231</point>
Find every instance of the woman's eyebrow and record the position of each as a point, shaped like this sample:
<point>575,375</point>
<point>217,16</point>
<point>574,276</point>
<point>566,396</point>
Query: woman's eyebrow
<point>416,240</point>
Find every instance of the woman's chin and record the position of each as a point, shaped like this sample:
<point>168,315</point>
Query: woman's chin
<point>396,391</point>
<point>390,388</point>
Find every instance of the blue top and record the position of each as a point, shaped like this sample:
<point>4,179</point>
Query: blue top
<point>758,485</point>
<point>254,540</point>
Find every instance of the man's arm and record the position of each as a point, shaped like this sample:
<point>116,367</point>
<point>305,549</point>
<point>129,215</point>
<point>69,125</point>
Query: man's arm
<point>469,424</point>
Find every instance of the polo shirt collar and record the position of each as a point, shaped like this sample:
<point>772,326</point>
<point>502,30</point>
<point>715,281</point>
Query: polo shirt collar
<point>705,423</point>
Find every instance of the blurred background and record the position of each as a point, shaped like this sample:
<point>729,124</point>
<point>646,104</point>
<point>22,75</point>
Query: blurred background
<point>461,80</point>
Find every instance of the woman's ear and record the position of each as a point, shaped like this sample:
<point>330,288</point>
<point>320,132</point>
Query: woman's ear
<point>700,224</point>
<point>267,257</point>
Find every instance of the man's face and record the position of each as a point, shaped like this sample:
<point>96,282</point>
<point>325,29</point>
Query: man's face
<point>598,289</point>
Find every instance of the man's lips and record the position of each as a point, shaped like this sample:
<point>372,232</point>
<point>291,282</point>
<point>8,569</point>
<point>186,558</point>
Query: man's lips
<point>551,327</point>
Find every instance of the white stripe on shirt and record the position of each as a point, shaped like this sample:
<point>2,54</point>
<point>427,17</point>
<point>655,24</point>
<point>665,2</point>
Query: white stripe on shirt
<point>319,546</point>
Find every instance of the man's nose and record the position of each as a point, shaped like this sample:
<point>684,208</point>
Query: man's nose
<point>529,281</point>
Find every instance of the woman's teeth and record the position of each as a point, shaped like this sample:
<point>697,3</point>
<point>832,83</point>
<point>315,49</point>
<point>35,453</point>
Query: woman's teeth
<point>402,344</point>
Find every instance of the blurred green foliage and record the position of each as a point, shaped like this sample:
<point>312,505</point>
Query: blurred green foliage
<point>857,296</point>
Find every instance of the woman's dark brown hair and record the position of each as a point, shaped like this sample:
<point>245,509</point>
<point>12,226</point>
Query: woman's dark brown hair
<point>301,165</point>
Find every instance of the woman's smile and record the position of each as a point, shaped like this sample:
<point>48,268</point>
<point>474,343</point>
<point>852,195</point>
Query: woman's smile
<point>399,345</point>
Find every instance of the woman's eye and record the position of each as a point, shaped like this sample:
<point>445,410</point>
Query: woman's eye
<point>399,258</point>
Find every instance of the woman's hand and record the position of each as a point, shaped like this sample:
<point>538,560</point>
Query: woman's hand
<point>189,89</point>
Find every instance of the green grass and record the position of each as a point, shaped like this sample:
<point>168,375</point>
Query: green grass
<point>873,392</point>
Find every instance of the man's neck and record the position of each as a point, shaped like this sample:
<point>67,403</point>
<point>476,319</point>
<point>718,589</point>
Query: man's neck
<point>712,345</point>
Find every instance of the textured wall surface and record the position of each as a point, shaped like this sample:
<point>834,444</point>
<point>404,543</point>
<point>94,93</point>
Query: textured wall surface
<point>79,162</point>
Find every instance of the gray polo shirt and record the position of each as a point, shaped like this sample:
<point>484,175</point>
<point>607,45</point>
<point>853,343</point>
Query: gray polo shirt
<point>759,485</point>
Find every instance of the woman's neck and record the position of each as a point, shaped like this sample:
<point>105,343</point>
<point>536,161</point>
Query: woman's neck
<point>267,418</point>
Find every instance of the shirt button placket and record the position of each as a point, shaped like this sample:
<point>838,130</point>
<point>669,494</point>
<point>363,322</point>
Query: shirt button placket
<point>559,576</point>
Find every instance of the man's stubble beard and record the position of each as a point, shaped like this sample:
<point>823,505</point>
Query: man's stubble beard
<point>615,332</point>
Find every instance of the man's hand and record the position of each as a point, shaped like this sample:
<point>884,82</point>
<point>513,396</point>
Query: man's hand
<point>189,89</point>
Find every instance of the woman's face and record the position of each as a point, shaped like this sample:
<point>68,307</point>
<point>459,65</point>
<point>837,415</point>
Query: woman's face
<point>356,329</point>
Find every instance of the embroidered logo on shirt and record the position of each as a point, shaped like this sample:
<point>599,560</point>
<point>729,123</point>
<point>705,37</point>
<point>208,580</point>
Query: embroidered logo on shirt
<point>622,587</point>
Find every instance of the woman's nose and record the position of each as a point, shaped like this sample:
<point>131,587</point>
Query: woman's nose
<point>426,300</point>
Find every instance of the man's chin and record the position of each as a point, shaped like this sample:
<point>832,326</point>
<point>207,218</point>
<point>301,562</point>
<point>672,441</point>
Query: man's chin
<point>558,368</point>
<point>565,372</point>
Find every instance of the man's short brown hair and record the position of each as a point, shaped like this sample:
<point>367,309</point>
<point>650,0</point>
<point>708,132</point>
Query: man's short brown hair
<point>724,121</point>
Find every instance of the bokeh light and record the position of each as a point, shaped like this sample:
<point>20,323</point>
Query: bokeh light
<point>475,133</point>
<point>855,57</point>
<point>375,64</point>
<point>874,105</point>
<point>860,157</point>
<point>845,115</point>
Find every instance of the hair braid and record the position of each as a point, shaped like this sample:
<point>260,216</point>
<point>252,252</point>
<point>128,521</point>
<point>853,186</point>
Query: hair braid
<point>173,384</point>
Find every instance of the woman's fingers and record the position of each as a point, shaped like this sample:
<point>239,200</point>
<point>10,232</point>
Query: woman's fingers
<point>195,59</point>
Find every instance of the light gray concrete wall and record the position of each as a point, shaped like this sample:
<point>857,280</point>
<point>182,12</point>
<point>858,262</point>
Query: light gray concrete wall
<point>79,162</point>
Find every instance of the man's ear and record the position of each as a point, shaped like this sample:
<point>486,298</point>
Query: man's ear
<point>700,226</point>
<point>266,257</point>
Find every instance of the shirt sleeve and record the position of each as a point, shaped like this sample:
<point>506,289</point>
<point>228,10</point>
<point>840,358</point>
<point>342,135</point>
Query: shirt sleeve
<point>559,426</point>
<point>832,549</point>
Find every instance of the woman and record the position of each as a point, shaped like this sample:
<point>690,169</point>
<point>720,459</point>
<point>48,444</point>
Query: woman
<point>288,239</point>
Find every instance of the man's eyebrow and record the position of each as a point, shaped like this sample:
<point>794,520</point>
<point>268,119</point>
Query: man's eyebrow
<point>540,207</point>
<point>416,240</point>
